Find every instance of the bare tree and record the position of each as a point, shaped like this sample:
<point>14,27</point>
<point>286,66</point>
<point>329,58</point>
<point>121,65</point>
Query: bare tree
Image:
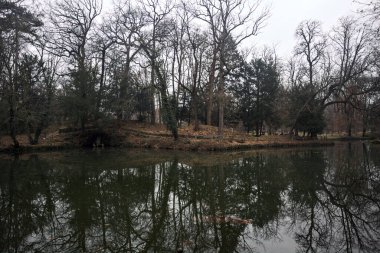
<point>310,58</point>
<point>189,50</point>
<point>123,28</point>
<point>72,24</point>
<point>329,66</point>
<point>47,84</point>
<point>236,19</point>
<point>352,59</point>
<point>155,13</point>
<point>311,46</point>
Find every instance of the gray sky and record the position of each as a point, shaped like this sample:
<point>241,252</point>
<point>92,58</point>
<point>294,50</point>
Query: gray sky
<point>287,14</point>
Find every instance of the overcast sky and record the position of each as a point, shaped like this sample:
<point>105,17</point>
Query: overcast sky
<point>287,14</point>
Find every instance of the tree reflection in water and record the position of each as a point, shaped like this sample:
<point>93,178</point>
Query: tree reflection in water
<point>328,199</point>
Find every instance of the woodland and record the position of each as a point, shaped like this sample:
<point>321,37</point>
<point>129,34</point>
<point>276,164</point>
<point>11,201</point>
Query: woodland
<point>72,63</point>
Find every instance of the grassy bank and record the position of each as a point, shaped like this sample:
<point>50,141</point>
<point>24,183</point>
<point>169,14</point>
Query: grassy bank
<point>142,135</point>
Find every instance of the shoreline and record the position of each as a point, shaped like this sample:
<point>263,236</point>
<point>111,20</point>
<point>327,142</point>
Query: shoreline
<point>224,145</point>
<point>181,145</point>
<point>134,135</point>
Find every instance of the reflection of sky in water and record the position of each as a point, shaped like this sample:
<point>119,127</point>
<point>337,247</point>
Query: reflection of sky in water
<point>285,243</point>
<point>262,201</point>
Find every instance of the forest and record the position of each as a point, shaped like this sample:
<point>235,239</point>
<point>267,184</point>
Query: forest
<point>77,63</point>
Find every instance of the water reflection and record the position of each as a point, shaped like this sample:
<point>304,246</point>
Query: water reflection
<point>327,199</point>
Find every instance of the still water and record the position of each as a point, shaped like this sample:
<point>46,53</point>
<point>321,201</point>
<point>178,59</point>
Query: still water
<point>293,200</point>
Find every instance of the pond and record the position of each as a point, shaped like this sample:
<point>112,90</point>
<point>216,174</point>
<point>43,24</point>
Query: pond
<point>281,200</point>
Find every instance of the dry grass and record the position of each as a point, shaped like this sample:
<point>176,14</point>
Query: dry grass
<point>145,135</point>
<point>158,137</point>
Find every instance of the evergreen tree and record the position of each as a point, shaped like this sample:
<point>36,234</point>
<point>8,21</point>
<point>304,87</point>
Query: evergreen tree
<point>255,87</point>
<point>18,27</point>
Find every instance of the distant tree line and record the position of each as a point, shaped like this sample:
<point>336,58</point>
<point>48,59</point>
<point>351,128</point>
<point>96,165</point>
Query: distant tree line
<point>176,61</point>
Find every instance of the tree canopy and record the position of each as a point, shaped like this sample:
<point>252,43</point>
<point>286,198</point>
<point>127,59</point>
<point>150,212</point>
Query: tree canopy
<point>166,62</point>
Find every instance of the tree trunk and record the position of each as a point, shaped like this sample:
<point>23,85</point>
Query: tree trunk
<point>37,135</point>
<point>221,86</point>
<point>257,129</point>
<point>123,89</point>
<point>29,133</point>
<point>101,84</point>
<point>221,109</point>
<point>210,88</point>
<point>349,129</point>
<point>167,106</point>
<point>12,97</point>
<point>12,125</point>
<point>194,94</point>
<point>364,130</point>
<point>152,87</point>
<point>152,107</point>
<point>195,112</point>
<point>159,116</point>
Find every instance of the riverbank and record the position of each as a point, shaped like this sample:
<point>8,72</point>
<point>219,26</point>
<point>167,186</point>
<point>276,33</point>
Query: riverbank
<point>146,136</point>
<point>207,139</point>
